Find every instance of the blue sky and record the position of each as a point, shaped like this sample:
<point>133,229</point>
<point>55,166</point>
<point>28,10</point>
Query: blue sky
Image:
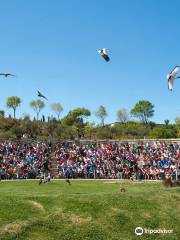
<point>52,46</point>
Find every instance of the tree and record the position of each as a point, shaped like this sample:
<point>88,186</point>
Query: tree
<point>13,102</point>
<point>26,117</point>
<point>122,115</point>
<point>166,131</point>
<point>103,132</point>
<point>143,110</point>
<point>51,118</point>
<point>89,129</point>
<point>17,131</point>
<point>101,114</point>
<point>43,118</point>
<point>177,121</point>
<point>2,113</point>
<point>57,108</point>
<point>37,106</point>
<point>166,122</point>
<point>75,118</point>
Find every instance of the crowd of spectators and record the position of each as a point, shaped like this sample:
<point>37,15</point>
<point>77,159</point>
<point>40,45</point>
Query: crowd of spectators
<point>151,160</point>
<point>23,160</point>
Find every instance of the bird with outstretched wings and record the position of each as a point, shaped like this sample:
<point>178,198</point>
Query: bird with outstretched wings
<point>7,75</point>
<point>104,54</point>
<point>172,76</point>
<point>41,95</point>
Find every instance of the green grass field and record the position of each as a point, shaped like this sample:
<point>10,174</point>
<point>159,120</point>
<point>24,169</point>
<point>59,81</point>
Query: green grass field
<point>86,210</point>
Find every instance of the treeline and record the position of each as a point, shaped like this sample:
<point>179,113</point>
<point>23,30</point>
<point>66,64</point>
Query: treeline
<point>75,125</point>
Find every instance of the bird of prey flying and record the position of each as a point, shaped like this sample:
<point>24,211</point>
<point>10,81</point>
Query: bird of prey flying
<point>172,76</point>
<point>7,75</point>
<point>103,53</point>
<point>41,95</point>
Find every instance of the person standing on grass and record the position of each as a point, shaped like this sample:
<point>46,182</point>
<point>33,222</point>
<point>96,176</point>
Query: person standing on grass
<point>46,168</point>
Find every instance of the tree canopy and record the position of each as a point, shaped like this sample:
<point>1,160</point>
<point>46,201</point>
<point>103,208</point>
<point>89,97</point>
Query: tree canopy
<point>37,106</point>
<point>13,102</point>
<point>75,124</point>
<point>57,108</point>
<point>101,114</point>
<point>2,113</point>
<point>76,116</point>
<point>122,115</point>
<point>143,110</point>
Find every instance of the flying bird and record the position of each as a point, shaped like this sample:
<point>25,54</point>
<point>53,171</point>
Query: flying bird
<point>7,75</point>
<point>41,95</point>
<point>103,53</point>
<point>172,76</point>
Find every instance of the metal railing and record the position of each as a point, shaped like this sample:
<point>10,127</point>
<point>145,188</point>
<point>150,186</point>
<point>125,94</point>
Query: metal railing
<point>87,141</point>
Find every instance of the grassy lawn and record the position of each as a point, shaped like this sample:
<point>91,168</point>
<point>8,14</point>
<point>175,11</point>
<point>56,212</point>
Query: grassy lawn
<point>86,210</point>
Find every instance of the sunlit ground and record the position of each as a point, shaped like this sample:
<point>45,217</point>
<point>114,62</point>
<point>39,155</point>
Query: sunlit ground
<point>86,210</point>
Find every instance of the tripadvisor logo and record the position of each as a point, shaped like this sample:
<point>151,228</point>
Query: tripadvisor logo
<point>139,231</point>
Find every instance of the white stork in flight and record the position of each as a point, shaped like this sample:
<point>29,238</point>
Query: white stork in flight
<point>172,76</point>
<point>103,53</point>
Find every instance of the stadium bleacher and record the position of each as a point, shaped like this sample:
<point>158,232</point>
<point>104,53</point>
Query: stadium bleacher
<point>150,160</point>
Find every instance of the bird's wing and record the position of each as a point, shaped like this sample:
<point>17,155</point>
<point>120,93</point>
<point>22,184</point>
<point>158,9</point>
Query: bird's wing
<point>7,74</point>
<point>171,83</point>
<point>172,76</point>
<point>44,97</point>
<point>12,75</point>
<point>174,72</point>
<point>105,50</point>
<point>41,95</point>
